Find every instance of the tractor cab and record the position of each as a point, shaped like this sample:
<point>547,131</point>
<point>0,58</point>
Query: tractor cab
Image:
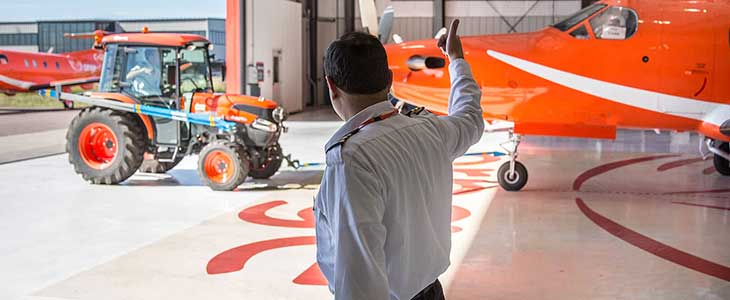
<point>154,72</point>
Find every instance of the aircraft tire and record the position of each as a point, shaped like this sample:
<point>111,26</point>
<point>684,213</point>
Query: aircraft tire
<point>223,165</point>
<point>272,163</point>
<point>515,182</point>
<point>722,165</point>
<point>105,146</point>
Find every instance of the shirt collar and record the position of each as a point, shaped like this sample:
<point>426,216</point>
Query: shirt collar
<point>368,113</point>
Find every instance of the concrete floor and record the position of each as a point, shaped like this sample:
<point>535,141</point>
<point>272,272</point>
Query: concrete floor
<point>598,220</point>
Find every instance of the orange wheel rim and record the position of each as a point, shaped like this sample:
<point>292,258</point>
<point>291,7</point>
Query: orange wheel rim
<point>219,167</point>
<point>98,145</point>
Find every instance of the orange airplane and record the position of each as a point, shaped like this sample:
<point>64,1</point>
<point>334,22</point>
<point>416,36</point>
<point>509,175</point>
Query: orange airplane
<point>632,64</point>
<point>22,72</point>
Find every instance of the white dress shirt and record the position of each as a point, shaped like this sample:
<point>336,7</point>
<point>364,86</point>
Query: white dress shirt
<point>383,211</point>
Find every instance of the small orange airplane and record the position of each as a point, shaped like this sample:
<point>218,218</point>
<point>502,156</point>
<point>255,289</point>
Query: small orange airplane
<point>22,72</point>
<point>632,64</point>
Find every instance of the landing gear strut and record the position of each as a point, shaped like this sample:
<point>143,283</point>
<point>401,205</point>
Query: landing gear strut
<point>512,175</point>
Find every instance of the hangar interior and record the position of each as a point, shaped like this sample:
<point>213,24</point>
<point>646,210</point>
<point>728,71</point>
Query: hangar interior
<point>609,212</point>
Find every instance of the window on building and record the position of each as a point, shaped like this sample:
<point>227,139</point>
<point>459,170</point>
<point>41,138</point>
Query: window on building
<point>615,23</point>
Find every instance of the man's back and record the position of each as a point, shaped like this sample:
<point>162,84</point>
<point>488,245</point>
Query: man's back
<point>384,207</point>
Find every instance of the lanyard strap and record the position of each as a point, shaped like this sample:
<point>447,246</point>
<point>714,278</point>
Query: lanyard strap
<point>366,123</point>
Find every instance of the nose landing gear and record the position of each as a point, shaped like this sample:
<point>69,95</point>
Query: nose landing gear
<point>512,175</point>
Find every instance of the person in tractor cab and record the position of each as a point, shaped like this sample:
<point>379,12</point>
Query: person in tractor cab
<point>145,75</point>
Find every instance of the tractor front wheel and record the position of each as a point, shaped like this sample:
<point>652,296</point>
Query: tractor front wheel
<point>223,165</point>
<point>273,157</point>
<point>105,146</point>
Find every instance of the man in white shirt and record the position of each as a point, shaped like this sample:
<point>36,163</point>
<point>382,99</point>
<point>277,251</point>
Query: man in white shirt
<point>383,211</point>
<point>145,76</point>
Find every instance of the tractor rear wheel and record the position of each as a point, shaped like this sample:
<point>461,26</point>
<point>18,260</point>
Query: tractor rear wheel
<point>273,157</point>
<point>223,165</point>
<point>722,165</point>
<point>151,165</point>
<point>105,146</point>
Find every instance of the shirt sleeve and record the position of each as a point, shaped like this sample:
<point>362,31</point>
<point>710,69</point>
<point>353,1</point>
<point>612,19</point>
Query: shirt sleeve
<point>464,125</point>
<point>359,236</point>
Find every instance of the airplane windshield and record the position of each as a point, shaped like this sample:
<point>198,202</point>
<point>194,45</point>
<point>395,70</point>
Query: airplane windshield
<point>578,17</point>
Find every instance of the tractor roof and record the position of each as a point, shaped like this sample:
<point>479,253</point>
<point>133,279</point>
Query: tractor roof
<point>157,39</point>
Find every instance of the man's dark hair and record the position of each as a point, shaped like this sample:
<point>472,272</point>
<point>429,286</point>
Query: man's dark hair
<point>357,64</point>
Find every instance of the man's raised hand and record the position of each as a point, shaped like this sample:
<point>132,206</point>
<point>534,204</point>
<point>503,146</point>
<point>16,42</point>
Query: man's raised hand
<point>450,43</point>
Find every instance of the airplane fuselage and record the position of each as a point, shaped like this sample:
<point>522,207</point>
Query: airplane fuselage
<point>27,71</point>
<point>672,72</point>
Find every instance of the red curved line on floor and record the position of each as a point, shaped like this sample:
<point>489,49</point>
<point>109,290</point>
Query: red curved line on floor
<point>654,247</point>
<point>484,159</point>
<point>312,276</point>
<point>235,259</point>
<point>701,205</point>
<point>678,163</point>
<point>474,172</point>
<point>257,214</point>
<point>718,191</point>
<point>708,171</point>
<point>582,178</point>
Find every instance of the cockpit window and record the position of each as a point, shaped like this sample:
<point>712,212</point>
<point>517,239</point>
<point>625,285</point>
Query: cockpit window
<point>578,17</point>
<point>580,33</point>
<point>3,60</point>
<point>615,23</point>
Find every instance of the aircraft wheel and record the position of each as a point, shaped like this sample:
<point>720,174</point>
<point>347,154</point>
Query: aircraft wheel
<point>105,146</point>
<point>515,181</point>
<point>722,165</point>
<point>271,164</point>
<point>223,165</point>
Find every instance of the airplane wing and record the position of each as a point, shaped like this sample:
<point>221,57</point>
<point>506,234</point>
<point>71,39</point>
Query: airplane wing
<point>16,83</point>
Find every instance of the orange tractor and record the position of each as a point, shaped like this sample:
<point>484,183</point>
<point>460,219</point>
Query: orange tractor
<point>156,105</point>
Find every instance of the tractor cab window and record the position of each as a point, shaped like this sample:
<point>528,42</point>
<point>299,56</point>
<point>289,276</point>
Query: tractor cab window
<point>194,70</point>
<point>578,17</point>
<point>615,23</point>
<point>111,69</point>
<point>143,72</point>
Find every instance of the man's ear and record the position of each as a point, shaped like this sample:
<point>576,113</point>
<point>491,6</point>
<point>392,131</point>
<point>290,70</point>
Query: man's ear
<point>334,92</point>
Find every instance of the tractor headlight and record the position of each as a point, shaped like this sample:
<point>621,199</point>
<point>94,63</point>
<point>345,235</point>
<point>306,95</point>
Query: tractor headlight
<point>279,114</point>
<point>264,125</point>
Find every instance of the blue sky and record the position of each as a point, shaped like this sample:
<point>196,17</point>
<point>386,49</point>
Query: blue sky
<point>33,10</point>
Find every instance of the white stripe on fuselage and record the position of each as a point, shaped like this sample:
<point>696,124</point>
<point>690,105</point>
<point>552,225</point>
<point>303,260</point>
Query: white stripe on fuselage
<point>24,85</point>
<point>709,112</point>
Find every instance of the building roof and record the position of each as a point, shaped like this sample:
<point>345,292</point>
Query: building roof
<point>162,39</point>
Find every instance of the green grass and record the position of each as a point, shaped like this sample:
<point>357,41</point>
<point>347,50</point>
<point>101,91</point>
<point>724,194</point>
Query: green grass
<point>33,100</point>
<point>29,100</point>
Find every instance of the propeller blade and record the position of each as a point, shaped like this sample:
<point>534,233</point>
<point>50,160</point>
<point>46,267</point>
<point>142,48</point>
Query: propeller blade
<point>386,24</point>
<point>369,16</point>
